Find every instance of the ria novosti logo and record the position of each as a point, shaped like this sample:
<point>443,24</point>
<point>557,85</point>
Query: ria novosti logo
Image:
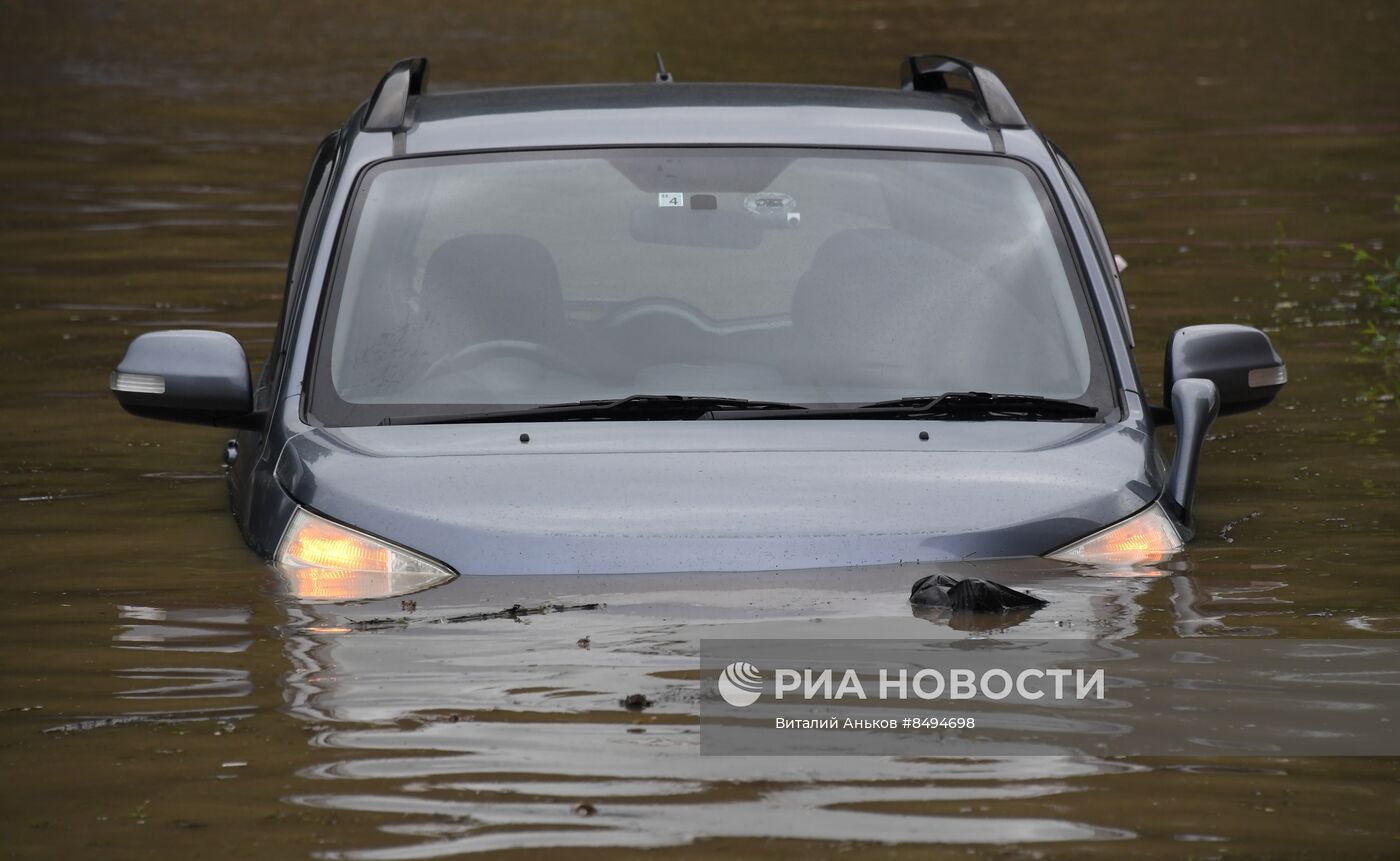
<point>741,684</point>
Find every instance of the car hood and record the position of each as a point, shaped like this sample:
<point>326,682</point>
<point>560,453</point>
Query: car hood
<point>633,497</point>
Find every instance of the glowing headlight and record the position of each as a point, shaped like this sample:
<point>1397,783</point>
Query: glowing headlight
<point>1146,537</point>
<point>324,561</point>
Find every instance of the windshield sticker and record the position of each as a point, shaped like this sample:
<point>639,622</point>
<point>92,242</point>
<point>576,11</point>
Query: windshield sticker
<point>670,198</point>
<point>774,208</point>
<point>765,202</point>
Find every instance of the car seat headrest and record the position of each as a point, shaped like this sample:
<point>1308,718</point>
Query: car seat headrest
<point>502,286</point>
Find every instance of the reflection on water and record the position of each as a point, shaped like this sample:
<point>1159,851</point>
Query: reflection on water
<point>497,733</point>
<point>211,630</point>
<point>151,162</point>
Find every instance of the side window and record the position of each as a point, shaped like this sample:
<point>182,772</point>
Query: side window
<point>303,239</point>
<point>1102,250</point>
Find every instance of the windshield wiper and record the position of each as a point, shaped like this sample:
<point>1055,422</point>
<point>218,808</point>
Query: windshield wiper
<point>633,408</point>
<point>983,406</point>
<point>991,405</point>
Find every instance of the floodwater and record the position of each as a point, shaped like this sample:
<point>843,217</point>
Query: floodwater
<point>158,699</point>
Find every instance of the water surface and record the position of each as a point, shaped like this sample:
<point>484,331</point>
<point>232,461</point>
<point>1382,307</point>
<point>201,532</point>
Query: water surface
<point>160,700</point>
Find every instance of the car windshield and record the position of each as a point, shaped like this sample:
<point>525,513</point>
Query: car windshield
<point>813,277</point>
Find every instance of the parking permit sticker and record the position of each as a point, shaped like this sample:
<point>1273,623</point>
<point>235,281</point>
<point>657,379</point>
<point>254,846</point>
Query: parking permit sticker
<point>670,198</point>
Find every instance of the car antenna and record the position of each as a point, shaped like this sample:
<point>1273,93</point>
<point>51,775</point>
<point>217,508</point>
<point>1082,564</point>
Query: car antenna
<point>662,76</point>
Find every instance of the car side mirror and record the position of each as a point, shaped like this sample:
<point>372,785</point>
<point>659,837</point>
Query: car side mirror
<point>186,375</point>
<point>1240,360</point>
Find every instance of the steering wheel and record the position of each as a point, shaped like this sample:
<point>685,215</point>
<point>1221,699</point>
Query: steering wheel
<point>484,351</point>
<point>674,308</point>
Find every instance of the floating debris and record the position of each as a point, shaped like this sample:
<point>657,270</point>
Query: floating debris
<point>516,611</point>
<point>1226,529</point>
<point>89,724</point>
<point>973,595</point>
<point>636,702</point>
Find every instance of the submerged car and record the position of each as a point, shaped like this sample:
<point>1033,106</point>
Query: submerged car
<point>669,327</point>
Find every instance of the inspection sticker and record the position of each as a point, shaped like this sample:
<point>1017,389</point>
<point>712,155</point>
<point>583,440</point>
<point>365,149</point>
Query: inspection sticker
<point>670,198</point>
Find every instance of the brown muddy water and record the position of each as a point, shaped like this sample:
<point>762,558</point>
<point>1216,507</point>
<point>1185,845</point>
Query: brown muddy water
<point>160,701</point>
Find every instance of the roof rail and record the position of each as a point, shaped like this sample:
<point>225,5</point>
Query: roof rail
<point>933,73</point>
<point>388,107</point>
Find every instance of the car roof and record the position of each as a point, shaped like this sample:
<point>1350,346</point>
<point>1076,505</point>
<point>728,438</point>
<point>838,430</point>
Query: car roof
<point>693,114</point>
